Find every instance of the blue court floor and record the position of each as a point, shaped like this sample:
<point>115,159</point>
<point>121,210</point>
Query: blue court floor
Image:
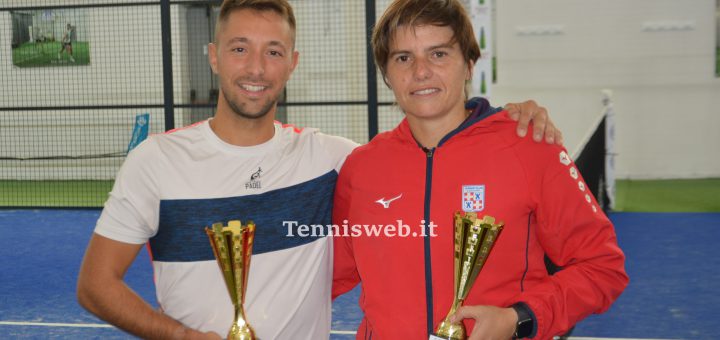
<point>672,263</point>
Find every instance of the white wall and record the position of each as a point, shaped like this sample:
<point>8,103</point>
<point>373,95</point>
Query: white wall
<point>658,57</point>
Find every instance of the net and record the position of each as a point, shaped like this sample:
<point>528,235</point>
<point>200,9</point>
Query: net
<point>594,156</point>
<point>79,72</point>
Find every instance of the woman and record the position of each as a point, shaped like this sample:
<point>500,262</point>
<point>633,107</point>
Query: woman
<point>444,158</point>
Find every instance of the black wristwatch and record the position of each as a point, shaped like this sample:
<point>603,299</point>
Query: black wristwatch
<point>525,327</point>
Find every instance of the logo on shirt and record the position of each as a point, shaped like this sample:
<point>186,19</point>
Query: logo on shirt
<point>254,182</point>
<point>386,203</point>
<point>564,158</point>
<point>573,173</point>
<point>473,198</point>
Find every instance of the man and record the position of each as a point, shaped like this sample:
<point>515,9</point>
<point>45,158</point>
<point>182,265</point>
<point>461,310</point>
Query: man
<point>67,40</point>
<point>237,165</point>
<point>444,158</point>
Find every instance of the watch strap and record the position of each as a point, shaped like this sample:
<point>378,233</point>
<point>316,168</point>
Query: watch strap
<point>526,325</point>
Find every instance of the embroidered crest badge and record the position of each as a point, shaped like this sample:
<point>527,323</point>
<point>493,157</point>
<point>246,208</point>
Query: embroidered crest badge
<point>473,198</point>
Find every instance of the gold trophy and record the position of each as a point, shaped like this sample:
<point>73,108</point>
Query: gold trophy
<point>474,239</point>
<point>232,246</point>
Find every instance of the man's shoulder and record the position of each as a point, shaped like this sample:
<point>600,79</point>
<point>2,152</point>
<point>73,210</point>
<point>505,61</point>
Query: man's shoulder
<point>166,144</point>
<point>192,129</point>
<point>183,137</point>
<point>337,144</point>
<point>311,137</point>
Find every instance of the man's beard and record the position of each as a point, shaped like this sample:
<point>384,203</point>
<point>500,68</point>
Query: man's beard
<point>239,109</point>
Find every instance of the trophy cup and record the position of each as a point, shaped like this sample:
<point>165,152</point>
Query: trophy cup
<point>474,239</point>
<point>232,247</point>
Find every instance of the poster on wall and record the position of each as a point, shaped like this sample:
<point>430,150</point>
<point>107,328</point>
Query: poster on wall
<point>480,12</point>
<point>50,37</point>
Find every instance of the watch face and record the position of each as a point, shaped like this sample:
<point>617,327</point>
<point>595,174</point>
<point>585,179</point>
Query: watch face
<point>524,328</point>
<point>525,324</point>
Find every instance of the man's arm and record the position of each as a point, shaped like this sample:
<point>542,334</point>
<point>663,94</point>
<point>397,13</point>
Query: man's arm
<point>102,291</point>
<point>528,111</point>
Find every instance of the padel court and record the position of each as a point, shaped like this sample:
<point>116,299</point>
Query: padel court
<point>670,259</point>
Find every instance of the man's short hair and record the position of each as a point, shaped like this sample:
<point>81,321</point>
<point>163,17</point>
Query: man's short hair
<point>281,7</point>
<point>413,13</point>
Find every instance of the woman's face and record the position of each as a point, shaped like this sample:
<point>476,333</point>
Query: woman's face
<point>427,72</point>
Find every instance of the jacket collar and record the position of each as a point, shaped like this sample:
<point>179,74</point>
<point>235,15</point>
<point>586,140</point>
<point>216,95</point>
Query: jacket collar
<point>480,107</point>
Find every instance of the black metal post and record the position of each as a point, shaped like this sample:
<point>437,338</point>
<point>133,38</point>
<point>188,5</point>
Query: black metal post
<point>371,72</point>
<point>166,36</point>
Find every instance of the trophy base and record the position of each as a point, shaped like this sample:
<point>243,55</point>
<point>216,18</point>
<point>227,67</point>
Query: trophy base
<point>449,331</point>
<point>437,337</point>
<point>241,333</point>
<point>241,336</point>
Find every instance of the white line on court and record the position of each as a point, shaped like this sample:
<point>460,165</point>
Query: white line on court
<point>102,325</point>
<point>98,325</point>
<point>52,324</point>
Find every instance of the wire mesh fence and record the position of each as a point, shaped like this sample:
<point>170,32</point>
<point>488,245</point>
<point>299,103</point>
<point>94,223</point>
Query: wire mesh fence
<point>76,74</point>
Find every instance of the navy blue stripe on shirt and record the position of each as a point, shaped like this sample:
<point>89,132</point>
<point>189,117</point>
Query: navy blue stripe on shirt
<point>181,234</point>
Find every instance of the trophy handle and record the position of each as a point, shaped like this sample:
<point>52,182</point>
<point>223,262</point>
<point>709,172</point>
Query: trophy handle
<point>247,254</point>
<point>460,230</point>
<point>448,330</point>
<point>220,250</point>
<point>474,239</point>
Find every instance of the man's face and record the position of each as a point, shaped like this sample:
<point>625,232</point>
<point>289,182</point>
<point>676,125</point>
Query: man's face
<point>427,72</point>
<point>253,57</point>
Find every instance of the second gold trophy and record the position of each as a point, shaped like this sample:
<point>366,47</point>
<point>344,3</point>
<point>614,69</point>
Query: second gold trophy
<point>474,239</point>
<point>232,246</point>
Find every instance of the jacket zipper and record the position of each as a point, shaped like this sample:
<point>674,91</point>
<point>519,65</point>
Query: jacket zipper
<point>430,153</point>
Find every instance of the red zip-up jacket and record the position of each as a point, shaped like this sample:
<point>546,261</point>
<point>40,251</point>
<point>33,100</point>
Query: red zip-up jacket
<point>407,282</point>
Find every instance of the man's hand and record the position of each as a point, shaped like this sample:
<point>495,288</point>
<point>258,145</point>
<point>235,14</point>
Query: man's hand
<point>491,323</point>
<point>528,111</point>
<point>188,334</point>
<point>102,291</point>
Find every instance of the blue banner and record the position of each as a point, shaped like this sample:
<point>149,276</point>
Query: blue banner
<point>140,131</point>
